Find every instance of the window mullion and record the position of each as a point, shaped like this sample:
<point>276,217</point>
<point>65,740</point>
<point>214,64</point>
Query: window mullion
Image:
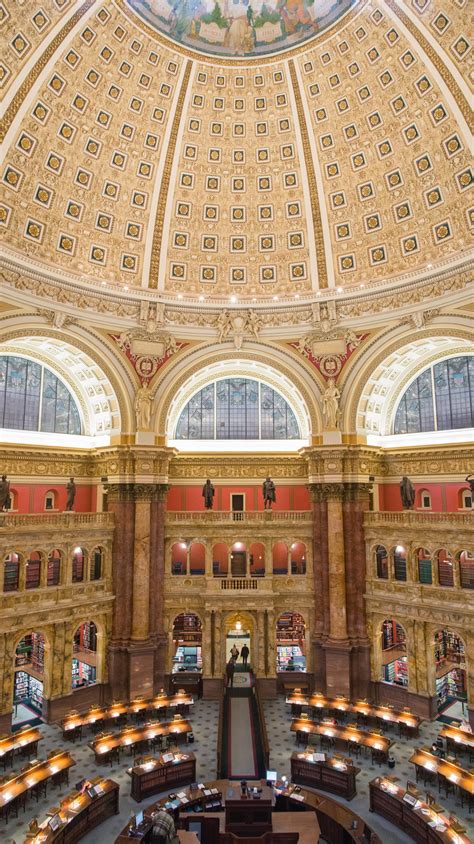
<point>40,411</point>
<point>435,411</point>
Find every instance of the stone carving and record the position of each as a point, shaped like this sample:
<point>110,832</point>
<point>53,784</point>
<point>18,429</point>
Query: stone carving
<point>420,318</point>
<point>470,481</point>
<point>143,406</point>
<point>407,493</point>
<point>152,316</point>
<point>71,494</point>
<point>208,493</point>
<point>239,324</point>
<point>58,319</point>
<point>269,493</point>
<point>331,412</point>
<point>328,351</point>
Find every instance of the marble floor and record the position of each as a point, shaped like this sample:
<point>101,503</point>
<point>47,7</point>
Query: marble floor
<point>282,744</point>
<point>204,718</point>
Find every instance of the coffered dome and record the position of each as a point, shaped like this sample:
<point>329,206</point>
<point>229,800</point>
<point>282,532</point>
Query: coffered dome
<point>328,160</point>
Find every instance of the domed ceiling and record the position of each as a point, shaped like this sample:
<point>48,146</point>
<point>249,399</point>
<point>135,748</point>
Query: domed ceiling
<point>136,161</point>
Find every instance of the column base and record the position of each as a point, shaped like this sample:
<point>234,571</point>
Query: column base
<point>6,723</point>
<point>267,687</point>
<point>399,696</point>
<point>338,667</point>
<point>81,699</point>
<point>131,670</point>
<point>212,688</point>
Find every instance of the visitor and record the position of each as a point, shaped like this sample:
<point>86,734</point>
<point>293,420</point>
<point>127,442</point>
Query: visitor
<point>244,653</point>
<point>229,672</point>
<point>164,831</point>
<point>234,652</point>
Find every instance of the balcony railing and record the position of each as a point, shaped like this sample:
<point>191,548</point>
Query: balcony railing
<point>415,518</point>
<point>177,516</point>
<point>238,584</point>
<point>55,520</point>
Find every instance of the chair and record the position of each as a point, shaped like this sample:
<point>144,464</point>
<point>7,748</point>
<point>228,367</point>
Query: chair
<point>445,784</point>
<point>354,748</point>
<point>7,759</point>
<point>40,789</point>
<point>302,738</point>
<point>327,742</point>
<point>378,756</point>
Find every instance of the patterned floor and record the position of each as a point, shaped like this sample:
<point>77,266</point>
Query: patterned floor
<point>204,719</point>
<point>282,744</point>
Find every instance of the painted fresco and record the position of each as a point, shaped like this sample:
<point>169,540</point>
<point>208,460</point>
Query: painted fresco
<point>240,27</point>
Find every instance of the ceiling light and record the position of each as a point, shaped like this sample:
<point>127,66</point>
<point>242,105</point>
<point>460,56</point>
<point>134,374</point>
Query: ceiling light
<point>339,289</point>
<point>275,298</point>
<point>201,298</point>
<point>125,287</point>
<point>233,299</point>
<point>180,295</point>
<point>238,625</point>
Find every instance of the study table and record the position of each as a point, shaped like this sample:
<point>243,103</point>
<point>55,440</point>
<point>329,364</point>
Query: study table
<point>427,763</point>
<point>455,736</point>
<point>326,774</point>
<point>156,774</point>
<point>24,741</point>
<point>426,824</point>
<point>96,714</point>
<point>133,736</point>
<point>17,788</point>
<point>78,814</point>
<point>359,707</point>
<point>337,822</point>
<point>347,734</point>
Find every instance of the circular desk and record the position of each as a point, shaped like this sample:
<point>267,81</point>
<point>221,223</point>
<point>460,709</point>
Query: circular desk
<point>338,823</point>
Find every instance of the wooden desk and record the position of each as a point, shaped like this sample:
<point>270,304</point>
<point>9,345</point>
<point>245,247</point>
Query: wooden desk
<point>79,814</point>
<point>110,713</point>
<point>329,775</point>
<point>344,734</point>
<point>155,775</point>
<point>386,799</point>
<point>455,736</point>
<point>247,817</point>
<point>17,788</point>
<point>360,707</point>
<point>207,801</point>
<point>135,735</point>
<point>336,821</point>
<point>24,742</point>
<point>425,761</point>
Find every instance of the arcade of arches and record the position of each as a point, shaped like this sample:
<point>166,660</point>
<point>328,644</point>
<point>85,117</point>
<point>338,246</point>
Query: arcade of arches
<point>236,269</point>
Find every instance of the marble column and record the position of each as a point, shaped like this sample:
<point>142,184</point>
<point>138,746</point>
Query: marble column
<point>320,579</point>
<point>355,504</point>
<point>158,632</point>
<point>337,645</point>
<point>260,643</point>
<point>217,644</point>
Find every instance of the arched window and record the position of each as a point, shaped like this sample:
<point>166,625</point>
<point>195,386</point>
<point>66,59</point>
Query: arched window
<point>445,568</point>
<point>466,569</point>
<point>423,558</point>
<point>11,572</point>
<point>50,500</point>
<point>466,499</point>
<point>237,409</point>
<point>394,660</point>
<point>440,399</point>
<point>97,558</point>
<point>280,558</point>
<point>220,560</point>
<point>179,557</point>
<point>197,558</point>
<point>33,570</point>
<point>78,565</point>
<point>257,559</point>
<point>298,558</point>
<point>400,562</point>
<point>54,567</point>
<point>32,398</point>
<point>425,499</point>
<point>381,561</point>
<point>84,660</point>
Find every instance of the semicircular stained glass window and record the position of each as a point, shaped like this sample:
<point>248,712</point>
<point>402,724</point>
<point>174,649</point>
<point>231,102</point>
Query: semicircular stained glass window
<point>237,409</point>
<point>32,398</point>
<point>440,399</point>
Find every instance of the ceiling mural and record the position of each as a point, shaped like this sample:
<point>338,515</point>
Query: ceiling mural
<point>240,27</point>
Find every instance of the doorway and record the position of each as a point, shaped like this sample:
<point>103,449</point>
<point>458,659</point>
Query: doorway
<point>239,630</point>
<point>237,503</point>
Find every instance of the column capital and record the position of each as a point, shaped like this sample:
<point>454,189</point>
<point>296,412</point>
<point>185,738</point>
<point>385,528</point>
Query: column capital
<point>136,492</point>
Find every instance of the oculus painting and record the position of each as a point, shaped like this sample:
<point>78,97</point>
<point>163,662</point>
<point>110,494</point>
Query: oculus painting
<point>240,27</point>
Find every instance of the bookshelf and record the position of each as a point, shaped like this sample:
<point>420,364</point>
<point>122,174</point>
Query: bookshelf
<point>11,573</point>
<point>28,690</point>
<point>396,672</point>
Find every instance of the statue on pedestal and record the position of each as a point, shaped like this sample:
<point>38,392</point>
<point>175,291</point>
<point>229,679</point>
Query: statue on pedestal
<point>269,493</point>
<point>71,494</point>
<point>4,493</point>
<point>143,404</point>
<point>470,481</point>
<point>331,405</point>
<point>208,493</point>
<point>407,493</point>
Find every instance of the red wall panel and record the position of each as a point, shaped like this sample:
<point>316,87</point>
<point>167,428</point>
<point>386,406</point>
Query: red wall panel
<point>190,497</point>
<point>444,497</point>
<point>30,497</point>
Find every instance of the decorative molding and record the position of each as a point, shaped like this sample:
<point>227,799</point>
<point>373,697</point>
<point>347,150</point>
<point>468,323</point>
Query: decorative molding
<point>314,347</point>
<point>146,352</point>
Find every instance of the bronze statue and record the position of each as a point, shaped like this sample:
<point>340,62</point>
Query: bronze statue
<point>208,492</point>
<point>269,493</point>
<point>407,493</point>
<point>71,494</point>
<point>4,493</point>
<point>470,481</point>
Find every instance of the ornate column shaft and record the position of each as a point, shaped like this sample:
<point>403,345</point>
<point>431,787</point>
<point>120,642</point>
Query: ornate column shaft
<point>261,643</point>
<point>337,564</point>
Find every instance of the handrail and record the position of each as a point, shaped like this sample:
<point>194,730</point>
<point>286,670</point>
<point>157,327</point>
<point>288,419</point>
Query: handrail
<point>237,516</point>
<point>263,729</point>
<point>413,517</point>
<point>66,519</point>
<point>219,738</point>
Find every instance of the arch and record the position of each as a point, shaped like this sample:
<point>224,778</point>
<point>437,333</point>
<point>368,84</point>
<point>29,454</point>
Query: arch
<point>423,499</point>
<point>240,627</point>
<point>89,367</point>
<point>85,654</point>
<point>11,571</point>
<point>186,641</point>
<point>79,558</point>
<point>274,367</point>
<point>465,499</point>
<point>33,672</point>
<point>55,562</point>
<point>33,398</point>
<point>381,562</point>
<point>97,561</point>
<point>34,565</point>
<point>445,565</point>
<point>394,665</point>
<point>257,559</point>
<point>465,561</point>
<point>424,565</point>
<point>298,557</point>
<point>197,558</point>
<point>220,559</point>
<point>291,652</point>
<point>280,557</point>
<point>399,561</point>
<point>449,651</point>
<point>179,557</point>
<point>387,364</point>
<point>440,398</point>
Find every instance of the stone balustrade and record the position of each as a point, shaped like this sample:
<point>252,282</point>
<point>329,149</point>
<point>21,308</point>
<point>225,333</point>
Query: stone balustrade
<point>231,516</point>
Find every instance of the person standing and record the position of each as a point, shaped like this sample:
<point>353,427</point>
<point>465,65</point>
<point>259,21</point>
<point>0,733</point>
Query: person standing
<point>244,653</point>
<point>234,653</point>
<point>164,830</point>
<point>229,672</point>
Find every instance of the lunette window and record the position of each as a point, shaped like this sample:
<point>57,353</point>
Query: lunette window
<point>32,398</point>
<point>440,399</point>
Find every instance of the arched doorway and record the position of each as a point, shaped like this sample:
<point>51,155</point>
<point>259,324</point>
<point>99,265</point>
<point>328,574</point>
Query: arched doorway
<point>84,659</point>
<point>291,642</point>
<point>187,643</point>
<point>28,688</point>
<point>239,633</point>
<point>394,648</point>
<point>450,659</point>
